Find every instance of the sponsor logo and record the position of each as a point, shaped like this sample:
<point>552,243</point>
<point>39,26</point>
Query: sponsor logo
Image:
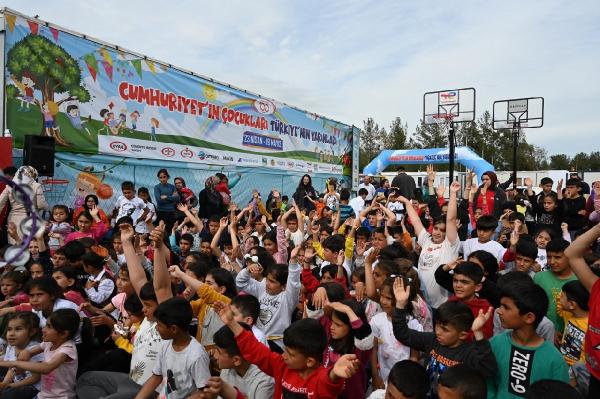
<point>449,97</point>
<point>281,163</point>
<point>213,157</point>
<point>227,158</point>
<point>118,146</point>
<point>264,161</point>
<point>247,160</point>
<point>264,106</point>
<point>187,153</point>
<point>272,162</point>
<point>168,152</point>
<point>290,164</point>
<point>201,155</point>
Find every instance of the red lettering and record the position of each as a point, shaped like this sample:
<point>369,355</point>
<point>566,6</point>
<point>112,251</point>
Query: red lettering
<point>172,102</point>
<point>154,97</point>
<point>123,90</point>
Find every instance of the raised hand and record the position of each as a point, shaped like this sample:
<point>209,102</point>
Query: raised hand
<point>361,248</point>
<point>294,253</point>
<point>372,257</point>
<point>481,319</point>
<point>401,293</point>
<point>341,257</point>
<point>127,232</point>
<point>175,271</point>
<point>403,200</point>
<point>224,311</point>
<point>360,291</point>
<point>182,207</point>
<point>430,173</point>
<point>440,190</point>
<point>346,366</point>
<point>94,211</point>
<point>528,182</point>
<point>514,238</point>
<point>157,235</point>
<point>223,223</point>
<point>455,187</point>
<point>319,298</point>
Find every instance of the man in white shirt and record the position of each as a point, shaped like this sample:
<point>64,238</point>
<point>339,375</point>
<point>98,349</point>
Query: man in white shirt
<point>369,187</point>
<point>358,203</point>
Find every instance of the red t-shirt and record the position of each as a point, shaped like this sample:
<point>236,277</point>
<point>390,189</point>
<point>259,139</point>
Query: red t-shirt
<point>592,337</point>
<point>489,208</point>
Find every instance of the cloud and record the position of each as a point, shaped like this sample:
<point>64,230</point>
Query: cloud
<point>350,60</point>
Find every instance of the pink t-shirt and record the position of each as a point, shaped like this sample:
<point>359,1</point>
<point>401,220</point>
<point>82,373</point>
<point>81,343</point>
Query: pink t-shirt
<point>60,382</point>
<point>118,302</point>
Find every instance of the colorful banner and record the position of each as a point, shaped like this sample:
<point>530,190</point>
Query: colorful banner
<point>95,99</point>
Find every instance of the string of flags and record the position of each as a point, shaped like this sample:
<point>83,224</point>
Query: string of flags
<point>91,60</point>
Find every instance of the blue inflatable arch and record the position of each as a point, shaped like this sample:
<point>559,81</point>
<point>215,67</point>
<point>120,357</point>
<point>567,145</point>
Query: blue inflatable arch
<point>463,155</point>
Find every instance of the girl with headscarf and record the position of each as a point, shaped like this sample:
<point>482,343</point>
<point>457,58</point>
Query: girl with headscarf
<point>305,189</point>
<point>489,197</point>
<point>210,200</point>
<point>90,202</point>
<point>25,176</point>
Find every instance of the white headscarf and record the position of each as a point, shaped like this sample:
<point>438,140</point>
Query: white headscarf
<point>25,175</point>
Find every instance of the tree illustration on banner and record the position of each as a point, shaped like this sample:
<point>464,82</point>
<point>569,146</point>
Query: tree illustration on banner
<point>38,66</point>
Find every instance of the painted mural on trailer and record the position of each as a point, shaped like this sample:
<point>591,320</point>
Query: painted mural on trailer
<point>95,99</point>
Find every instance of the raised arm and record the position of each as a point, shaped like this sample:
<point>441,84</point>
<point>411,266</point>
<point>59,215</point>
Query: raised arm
<point>192,218</point>
<point>214,244</point>
<point>451,230</point>
<point>413,217</point>
<point>575,253</point>
<point>162,279</point>
<point>136,270</point>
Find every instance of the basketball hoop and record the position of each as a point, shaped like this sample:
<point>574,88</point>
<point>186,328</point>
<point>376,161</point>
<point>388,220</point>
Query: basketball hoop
<point>54,189</point>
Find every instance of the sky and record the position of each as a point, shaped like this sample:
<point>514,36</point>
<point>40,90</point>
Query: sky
<point>350,60</point>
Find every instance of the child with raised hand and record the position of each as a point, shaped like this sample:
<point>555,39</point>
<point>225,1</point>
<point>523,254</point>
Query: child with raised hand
<point>447,346</point>
<point>278,295</point>
<point>299,369</point>
<point>22,333</point>
<point>438,248</point>
<point>96,384</point>
<point>523,356</point>
<point>387,350</point>
<point>201,307</point>
<point>84,224</point>
<point>575,254</point>
<point>182,363</point>
<point>238,373</point>
<point>59,367</point>
<point>349,334</point>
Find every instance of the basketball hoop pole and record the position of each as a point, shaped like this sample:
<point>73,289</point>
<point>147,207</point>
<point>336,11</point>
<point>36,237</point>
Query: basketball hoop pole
<point>451,151</point>
<point>516,134</point>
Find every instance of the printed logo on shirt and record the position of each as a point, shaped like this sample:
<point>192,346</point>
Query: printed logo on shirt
<point>572,342</point>
<point>520,364</point>
<point>291,392</point>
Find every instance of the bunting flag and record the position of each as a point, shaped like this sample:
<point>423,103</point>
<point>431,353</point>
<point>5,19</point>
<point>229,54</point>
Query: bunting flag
<point>92,64</point>
<point>54,34</point>
<point>121,53</point>
<point>106,55</point>
<point>34,27</point>
<point>137,65</point>
<point>10,19</point>
<point>164,67</point>
<point>108,69</point>
<point>151,66</point>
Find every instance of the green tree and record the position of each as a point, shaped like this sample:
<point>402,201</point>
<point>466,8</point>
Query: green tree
<point>395,138</point>
<point>429,136</point>
<point>560,162</point>
<point>581,161</point>
<point>370,142</point>
<point>52,69</point>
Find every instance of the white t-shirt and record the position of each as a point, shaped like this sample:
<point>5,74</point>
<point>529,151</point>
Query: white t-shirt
<point>259,335</point>
<point>397,208</point>
<point>370,188</point>
<point>358,204</point>
<point>254,384</point>
<point>183,372</point>
<point>141,227</point>
<point>297,237</point>
<point>132,208</point>
<point>390,350</point>
<point>432,256</point>
<point>146,346</point>
<point>473,244</point>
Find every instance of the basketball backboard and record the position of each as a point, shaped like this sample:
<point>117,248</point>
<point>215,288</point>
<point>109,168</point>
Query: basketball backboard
<point>519,113</point>
<point>458,105</point>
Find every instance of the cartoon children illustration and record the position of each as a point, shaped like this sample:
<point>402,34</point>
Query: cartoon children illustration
<point>155,124</point>
<point>88,183</point>
<point>135,115</point>
<point>25,87</point>
<point>49,109</point>
<point>75,119</point>
<point>104,114</point>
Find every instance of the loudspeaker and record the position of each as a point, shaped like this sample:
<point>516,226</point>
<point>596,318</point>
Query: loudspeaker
<point>39,153</point>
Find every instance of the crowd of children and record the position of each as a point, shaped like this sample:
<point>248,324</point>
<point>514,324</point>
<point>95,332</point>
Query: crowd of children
<point>486,294</point>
